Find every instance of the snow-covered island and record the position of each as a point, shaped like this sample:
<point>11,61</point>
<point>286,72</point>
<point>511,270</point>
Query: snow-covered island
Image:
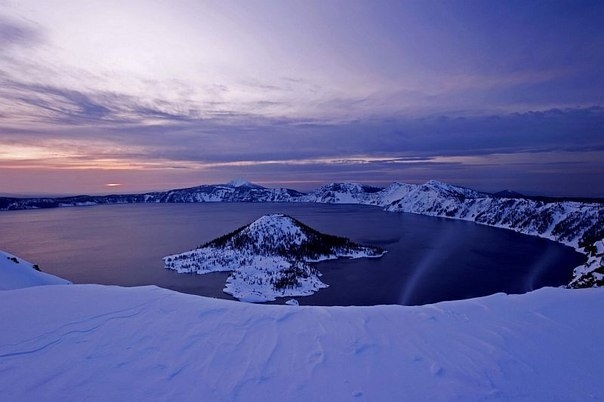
<point>269,258</point>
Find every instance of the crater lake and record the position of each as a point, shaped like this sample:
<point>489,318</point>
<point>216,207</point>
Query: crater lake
<point>429,259</point>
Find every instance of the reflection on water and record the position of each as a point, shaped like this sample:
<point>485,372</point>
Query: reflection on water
<point>428,259</point>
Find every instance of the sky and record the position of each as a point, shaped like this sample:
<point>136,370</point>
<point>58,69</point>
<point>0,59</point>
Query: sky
<point>131,95</point>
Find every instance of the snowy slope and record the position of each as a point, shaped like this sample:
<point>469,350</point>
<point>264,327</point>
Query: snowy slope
<point>592,273</point>
<point>392,193</point>
<point>269,258</point>
<point>100,343</point>
<point>17,273</point>
<point>565,222</point>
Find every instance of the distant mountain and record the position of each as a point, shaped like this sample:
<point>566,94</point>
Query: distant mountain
<point>508,194</point>
<point>242,183</point>
<point>234,191</point>
<point>269,258</point>
<point>571,223</point>
<point>515,194</point>
<point>342,193</point>
<point>231,192</point>
<point>353,193</point>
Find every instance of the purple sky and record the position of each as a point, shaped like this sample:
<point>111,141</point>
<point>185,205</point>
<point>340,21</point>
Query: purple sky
<point>152,95</point>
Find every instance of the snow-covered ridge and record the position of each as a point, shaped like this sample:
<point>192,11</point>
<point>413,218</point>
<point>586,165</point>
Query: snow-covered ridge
<point>342,193</point>
<point>237,190</point>
<point>571,223</point>
<point>16,273</point>
<point>269,258</point>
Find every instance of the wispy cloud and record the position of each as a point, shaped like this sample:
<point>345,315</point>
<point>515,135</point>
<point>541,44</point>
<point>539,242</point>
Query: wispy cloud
<point>18,33</point>
<point>128,127</point>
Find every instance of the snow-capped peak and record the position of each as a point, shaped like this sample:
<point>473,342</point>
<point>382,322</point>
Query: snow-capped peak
<point>242,183</point>
<point>279,234</point>
<point>436,183</point>
<point>274,228</point>
<point>449,189</point>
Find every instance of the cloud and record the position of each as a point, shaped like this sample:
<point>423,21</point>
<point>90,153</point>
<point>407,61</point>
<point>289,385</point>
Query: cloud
<point>17,33</point>
<point>121,127</point>
<point>369,91</point>
<point>77,130</point>
<point>56,106</point>
<point>64,106</point>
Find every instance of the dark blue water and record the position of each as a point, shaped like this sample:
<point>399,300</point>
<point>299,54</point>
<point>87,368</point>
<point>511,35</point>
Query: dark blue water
<point>428,259</point>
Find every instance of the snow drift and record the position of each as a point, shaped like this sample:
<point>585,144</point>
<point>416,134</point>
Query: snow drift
<point>100,343</point>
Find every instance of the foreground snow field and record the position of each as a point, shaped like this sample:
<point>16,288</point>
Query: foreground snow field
<point>102,343</point>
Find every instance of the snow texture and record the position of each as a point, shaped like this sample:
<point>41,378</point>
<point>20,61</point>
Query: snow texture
<point>102,343</point>
<point>17,273</point>
<point>269,258</point>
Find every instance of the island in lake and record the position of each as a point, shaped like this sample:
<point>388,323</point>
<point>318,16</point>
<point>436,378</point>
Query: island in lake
<point>269,258</point>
